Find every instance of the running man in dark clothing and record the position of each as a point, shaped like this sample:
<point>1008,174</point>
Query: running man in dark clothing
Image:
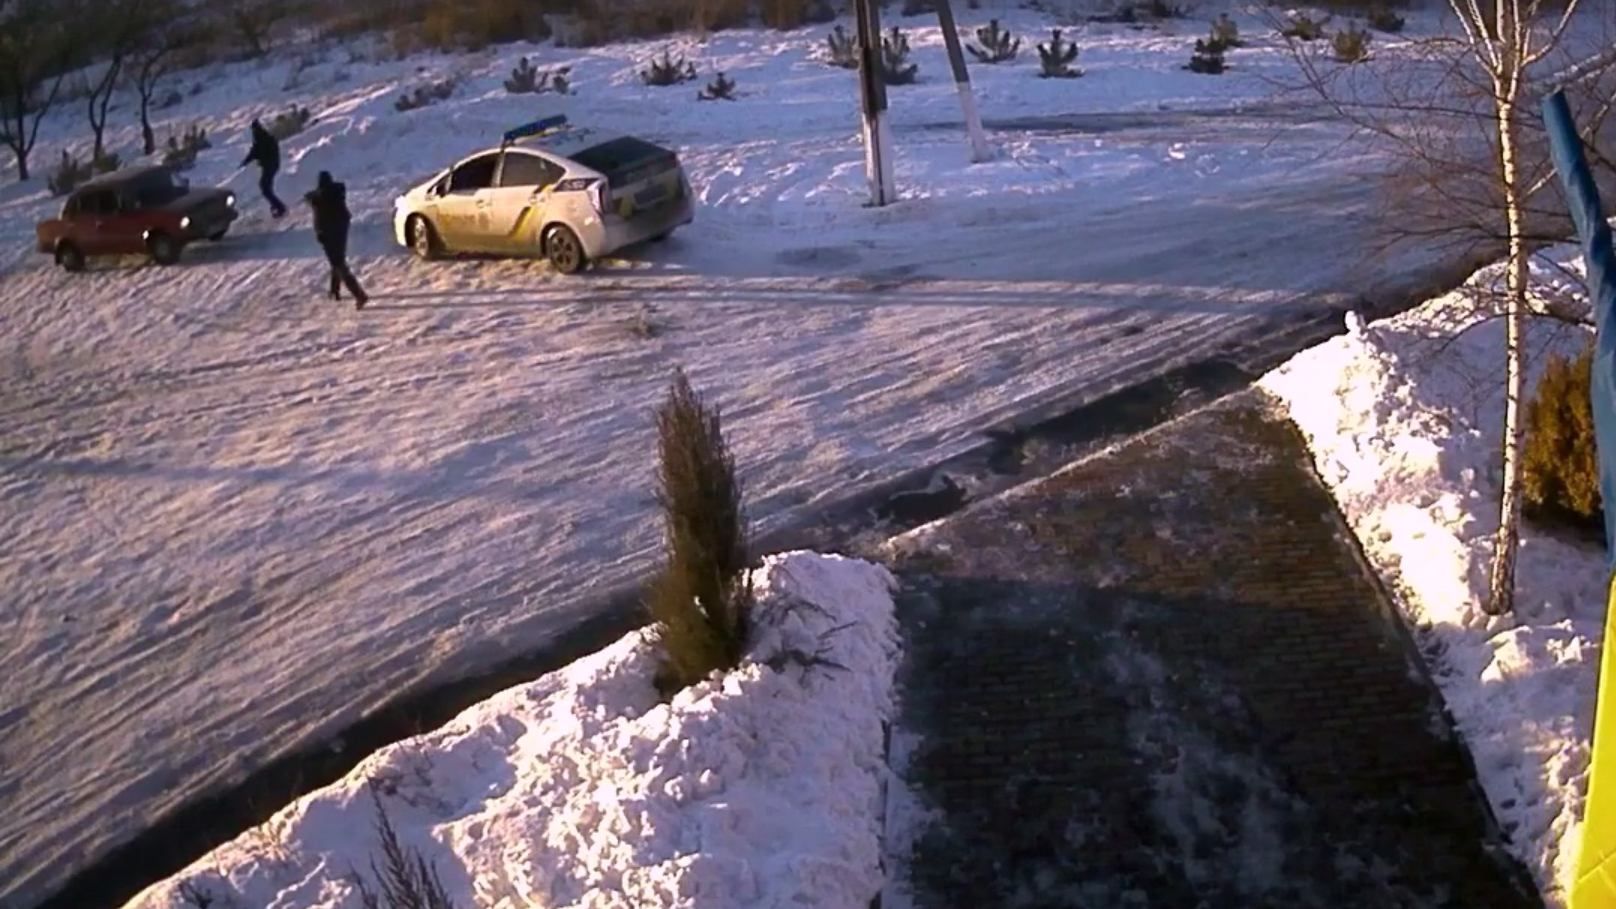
<point>331,218</point>
<point>267,152</point>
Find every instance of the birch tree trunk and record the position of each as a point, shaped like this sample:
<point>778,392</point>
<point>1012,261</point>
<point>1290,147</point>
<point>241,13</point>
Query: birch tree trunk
<point>1501,586</point>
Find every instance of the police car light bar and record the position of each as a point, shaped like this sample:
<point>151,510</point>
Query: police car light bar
<point>537,127</point>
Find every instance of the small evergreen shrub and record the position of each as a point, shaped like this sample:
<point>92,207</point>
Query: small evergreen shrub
<point>69,173</point>
<point>701,603</point>
<point>1383,19</point>
<point>1055,58</point>
<point>1351,44</point>
<point>524,79</point>
<point>171,99</point>
<point>294,121</point>
<point>1225,32</point>
<point>406,880</point>
<point>181,150</point>
<point>425,95</point>
<point>668,71</point>
<point>1304,27</point>
<point>844,50</point>
<point>895,66</point>
<point>917,7</point>
<point>527,79</point>
<point>996,44</point>
<point>1207,59</point>
<point>1560,466</point>
<point>721,88</point>
<point>106,163</point>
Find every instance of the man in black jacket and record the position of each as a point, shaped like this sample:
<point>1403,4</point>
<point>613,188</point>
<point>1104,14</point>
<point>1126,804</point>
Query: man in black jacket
<point>331,218</point>
<point>267,152</point>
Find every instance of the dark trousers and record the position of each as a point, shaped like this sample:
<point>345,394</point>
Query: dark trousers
<point>336,252</point>
<point>266,185</point>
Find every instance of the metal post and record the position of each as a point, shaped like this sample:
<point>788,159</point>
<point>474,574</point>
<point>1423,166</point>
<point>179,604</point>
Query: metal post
<point>1594,886</point>
<point>873,89</point>
<point>962,81</point>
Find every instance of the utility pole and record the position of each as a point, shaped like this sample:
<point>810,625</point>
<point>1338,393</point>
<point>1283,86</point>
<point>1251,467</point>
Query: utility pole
<point>962,81</point>
<point>873,89</point>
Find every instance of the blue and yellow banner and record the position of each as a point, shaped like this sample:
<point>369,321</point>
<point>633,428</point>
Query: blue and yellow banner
<point>1595,884</point>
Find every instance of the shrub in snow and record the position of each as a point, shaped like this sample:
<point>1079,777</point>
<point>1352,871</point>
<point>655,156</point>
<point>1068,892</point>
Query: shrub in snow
<point>1207,59</point>
<point>69,173</point>
<point>528,79</point>
<point>1560,467</point>
<point>1055,58</point>
<point>425,95</point>
<point>294,121</point>
<point>668,71</point>
<point>182,150</point>
<point>721,88</point>
<point>701,603</point>
<point>1225,32</point>
<point>843,49</point>
<point>1351,44</point>
<point>997,44</point>
<point>104,163</point>
<point>404,879</point>
<point>524,78</point>
<point>1382,19</point>
<point>172,99</point>
<point>917,7</point>
<point>1303,27</point>
<point>895,66</point>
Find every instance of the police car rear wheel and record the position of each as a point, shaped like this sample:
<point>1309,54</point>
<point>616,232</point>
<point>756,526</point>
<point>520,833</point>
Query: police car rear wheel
<point>561,246</point>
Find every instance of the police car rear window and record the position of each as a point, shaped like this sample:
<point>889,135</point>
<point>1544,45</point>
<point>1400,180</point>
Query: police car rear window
<point>618,156</point>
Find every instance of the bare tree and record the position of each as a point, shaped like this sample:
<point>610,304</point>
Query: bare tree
<point>253,21</point>
<point>152,59</point>
<point>121,24</point>
<point>1474,172</point>
<point>32,54</point>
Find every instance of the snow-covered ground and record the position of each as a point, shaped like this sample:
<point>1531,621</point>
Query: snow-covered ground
<point>236,516</point>
<point>758,788</point>
<point>1404,418</point>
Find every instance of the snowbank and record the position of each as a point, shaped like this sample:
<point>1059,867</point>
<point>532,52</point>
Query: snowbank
<point>761,788</point>
<point>1404,418</point>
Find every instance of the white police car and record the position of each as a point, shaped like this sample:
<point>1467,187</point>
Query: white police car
<point>568,194</point>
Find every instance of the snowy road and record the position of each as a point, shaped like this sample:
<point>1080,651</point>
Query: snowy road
<point>237,516</point>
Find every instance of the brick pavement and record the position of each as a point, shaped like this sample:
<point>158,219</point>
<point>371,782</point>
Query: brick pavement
<point>1163,678</point>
